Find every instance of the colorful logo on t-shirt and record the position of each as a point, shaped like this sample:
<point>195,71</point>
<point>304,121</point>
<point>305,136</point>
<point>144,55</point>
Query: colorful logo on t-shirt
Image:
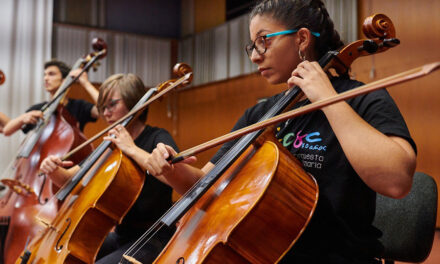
<point>306,141</point>
<point>305,145</point>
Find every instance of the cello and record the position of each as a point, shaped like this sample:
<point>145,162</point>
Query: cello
<point>222,212</point>
<point>89,209</point>
<point>28,192</point>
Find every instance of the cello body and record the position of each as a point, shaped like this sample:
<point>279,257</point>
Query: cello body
<point>88,214</point>
<point>264,196</point>
<point>30,192</point>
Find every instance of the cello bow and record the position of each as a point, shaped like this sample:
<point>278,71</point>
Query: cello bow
<point>396,79</point>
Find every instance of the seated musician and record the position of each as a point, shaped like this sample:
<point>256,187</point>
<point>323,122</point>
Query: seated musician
<point>54,74</point>
<point>117,95</point>
<point>4,119</point>
<point>354,149</point>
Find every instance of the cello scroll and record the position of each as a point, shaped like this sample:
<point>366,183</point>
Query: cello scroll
<point>180,70</point>
<point>100,48</point>
<point>381,34</point>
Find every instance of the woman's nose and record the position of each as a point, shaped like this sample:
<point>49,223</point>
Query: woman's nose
<point>106,112</point>
<point>255,56</point>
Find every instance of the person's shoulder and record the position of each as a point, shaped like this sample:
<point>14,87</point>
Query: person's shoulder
<point>156,133</point>
<point>255,112</point>
<point>38,106</point>
<point>78,102</point>
<point>155,130</point>
<point>267,103</point>
<point>344,83</point>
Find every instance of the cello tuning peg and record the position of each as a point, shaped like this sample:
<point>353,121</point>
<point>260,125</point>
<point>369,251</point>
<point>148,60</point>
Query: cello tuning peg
<point>95,66</point>
<point>391,42</point>
<point>369,46</point>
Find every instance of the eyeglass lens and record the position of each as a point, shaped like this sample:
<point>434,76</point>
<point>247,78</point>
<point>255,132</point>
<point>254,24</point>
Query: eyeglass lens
<point>259,44</point>
<point>111,105</point>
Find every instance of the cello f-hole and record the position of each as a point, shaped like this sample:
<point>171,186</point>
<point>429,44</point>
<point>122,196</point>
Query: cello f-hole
<point>180,260</point>
<point>42,188</point>
<point>59,247</point>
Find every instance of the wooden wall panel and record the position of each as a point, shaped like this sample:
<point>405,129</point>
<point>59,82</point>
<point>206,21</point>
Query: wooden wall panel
<point>208,14</point>
<point>209,111</point>
<point>417,26</point>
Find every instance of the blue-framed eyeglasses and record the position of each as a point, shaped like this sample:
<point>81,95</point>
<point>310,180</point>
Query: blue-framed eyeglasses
<point>260,42</point>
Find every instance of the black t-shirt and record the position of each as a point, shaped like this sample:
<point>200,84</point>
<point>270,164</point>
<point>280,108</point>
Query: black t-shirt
<point>79,109</point>
<point>342,222</point>
<point>155,198</point>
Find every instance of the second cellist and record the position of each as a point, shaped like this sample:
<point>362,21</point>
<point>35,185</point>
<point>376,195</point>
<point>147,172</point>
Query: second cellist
<point>118,94</point>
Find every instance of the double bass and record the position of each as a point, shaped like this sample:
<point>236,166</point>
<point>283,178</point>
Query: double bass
<point>257,200</point>
<point>95,199</point>
<point>28,191</point>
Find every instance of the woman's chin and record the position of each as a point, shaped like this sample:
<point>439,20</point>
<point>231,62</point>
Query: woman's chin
<point>273,80</point>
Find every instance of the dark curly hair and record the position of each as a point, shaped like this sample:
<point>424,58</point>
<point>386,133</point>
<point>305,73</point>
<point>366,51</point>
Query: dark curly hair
<point>310,14</point>
<point>64,68</point>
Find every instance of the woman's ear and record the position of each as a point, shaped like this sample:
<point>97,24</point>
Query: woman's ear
<point>304,39</point>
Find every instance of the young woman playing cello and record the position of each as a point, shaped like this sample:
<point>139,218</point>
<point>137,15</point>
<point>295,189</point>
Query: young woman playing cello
<point>354,149</point>
<point>117,95</point>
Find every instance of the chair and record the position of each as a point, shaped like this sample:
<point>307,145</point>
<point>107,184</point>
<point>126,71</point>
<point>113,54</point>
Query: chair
<point>408,224</point>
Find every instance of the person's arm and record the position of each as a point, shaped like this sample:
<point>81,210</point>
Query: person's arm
<point>53,167</point>
<point>179,176</point>
<point>15,124</point>
<point>88,86</point>
<point>4,119</point>
<point>385,163</point>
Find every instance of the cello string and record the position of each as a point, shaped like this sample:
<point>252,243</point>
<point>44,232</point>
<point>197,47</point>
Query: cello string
<point>140,243</point>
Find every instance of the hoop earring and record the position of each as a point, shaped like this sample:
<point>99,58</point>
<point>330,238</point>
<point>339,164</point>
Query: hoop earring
<point>302,57</point>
